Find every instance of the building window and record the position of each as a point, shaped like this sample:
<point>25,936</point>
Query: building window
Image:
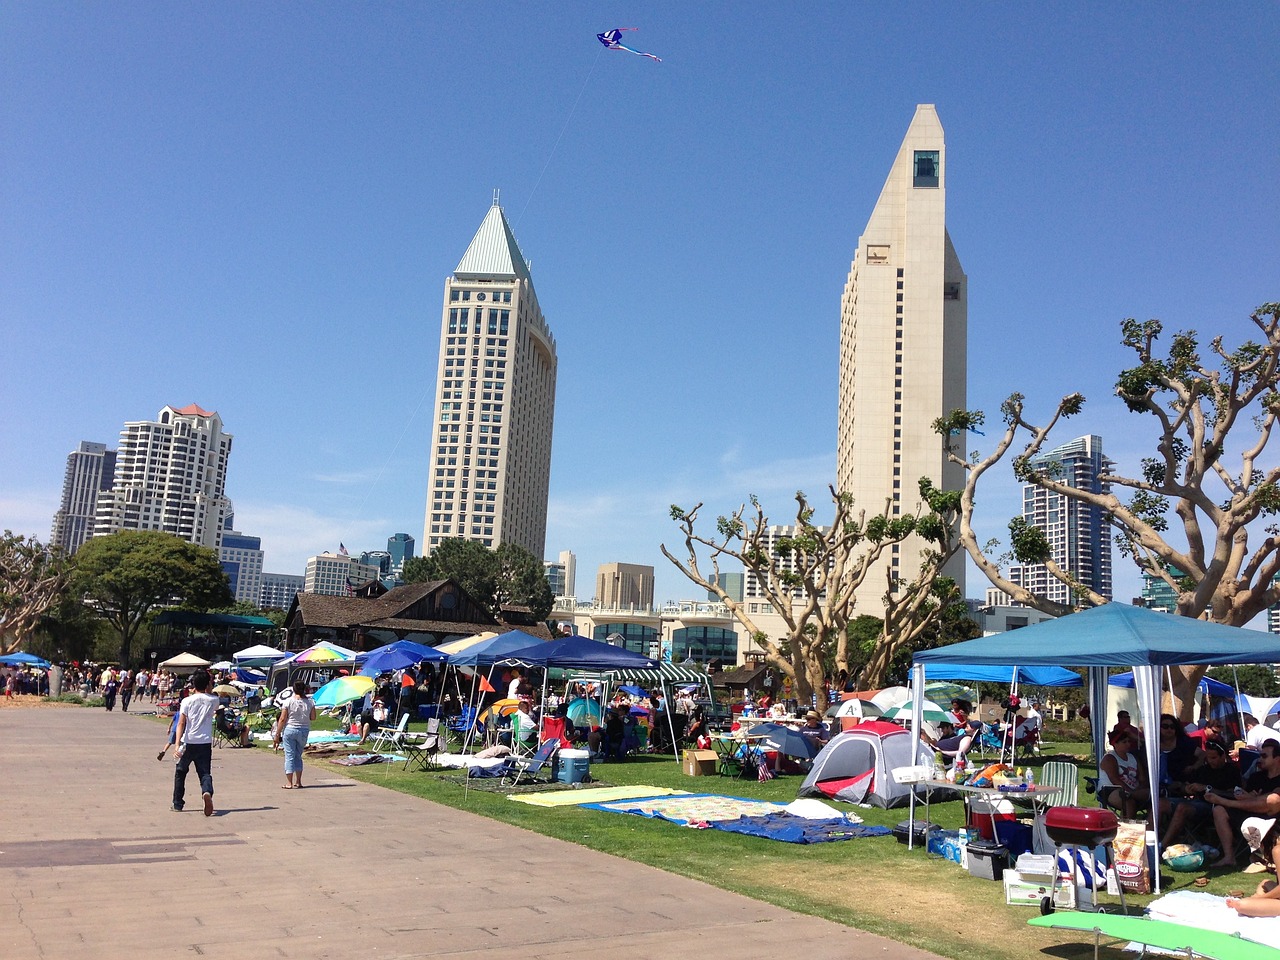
<point>926,168</point>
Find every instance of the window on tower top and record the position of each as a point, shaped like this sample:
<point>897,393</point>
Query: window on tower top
<point>927,168</point>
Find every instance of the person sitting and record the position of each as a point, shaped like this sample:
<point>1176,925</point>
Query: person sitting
<point>1260,797</point>
<point>524,728</point>
<point>698,731</point>
<point>1263,835</point>
<point>1216,772</point>
<point>1122,780</point>
<point>607,740</point>
<point>949,742</point>
<point>1125,725</point>
<point>231,728</point>
<point>814,730</point>
<point>373,715</point>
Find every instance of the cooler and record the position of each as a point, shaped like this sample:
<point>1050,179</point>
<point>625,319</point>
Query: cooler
<point>984,810</point>
<point>573,766</point>
<point>987,860</point>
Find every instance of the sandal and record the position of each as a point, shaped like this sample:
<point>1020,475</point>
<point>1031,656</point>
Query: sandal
<point>286,786</point>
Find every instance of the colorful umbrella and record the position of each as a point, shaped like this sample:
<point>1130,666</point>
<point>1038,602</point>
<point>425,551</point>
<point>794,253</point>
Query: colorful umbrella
<point>226,690</point>
<point>500,708</point>
<point>582,710</point>
<point>335,693</point>
<point>932,712</point>
<point>322,653</point>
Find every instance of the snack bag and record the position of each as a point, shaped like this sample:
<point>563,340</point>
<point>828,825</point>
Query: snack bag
<point>1130,845</point>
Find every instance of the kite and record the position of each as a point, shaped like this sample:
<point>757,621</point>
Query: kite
<point>613,40</point>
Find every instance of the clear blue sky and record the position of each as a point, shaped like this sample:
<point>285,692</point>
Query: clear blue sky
<point>253,207</point>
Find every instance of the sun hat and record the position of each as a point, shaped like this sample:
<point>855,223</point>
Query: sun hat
<point>813,715</point>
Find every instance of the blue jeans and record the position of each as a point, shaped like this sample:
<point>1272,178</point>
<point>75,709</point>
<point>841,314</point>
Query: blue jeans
<point>201,754</point>
<point>293,739</point>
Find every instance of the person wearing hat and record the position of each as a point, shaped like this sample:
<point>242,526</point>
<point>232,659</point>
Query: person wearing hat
<point>814,730</point>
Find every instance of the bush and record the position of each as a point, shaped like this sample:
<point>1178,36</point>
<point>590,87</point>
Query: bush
<point>66,698</point>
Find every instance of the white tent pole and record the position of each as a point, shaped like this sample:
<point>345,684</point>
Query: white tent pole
<point>1235,680</point>
<point>917,721</point>
<point>1146,679</point>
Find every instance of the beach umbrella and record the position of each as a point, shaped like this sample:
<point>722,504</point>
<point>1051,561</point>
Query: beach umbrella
<point>786,740</point>
<point>581,710</point>
<point>323,653</point>
<point>499,708</point>
<point>944,691</point>
<point>932,712</point>
<point>338,692</point>
<point>397,656</point>
<point>861,709</point>
<point>889,697</point>
<point>226,690</point>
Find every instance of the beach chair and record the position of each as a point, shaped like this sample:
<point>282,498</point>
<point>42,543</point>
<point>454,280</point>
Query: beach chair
<point>420,749</point>
<point>526,769</point>
<point>389,737</point>
<point>1056,773</point>
<point>462,724</point>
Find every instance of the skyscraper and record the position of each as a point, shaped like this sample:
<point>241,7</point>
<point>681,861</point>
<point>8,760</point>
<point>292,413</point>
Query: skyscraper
<point>241,556</point>
<point>90,470</point>
<point>1078,534</point>
<point>400,547</point>
<point>622,585</point>
<point>495,400</point>
<point>902,347</point>
<point>170,475</point>
<point>562,574</point>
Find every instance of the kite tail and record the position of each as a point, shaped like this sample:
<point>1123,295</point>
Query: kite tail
<point>638,53</point>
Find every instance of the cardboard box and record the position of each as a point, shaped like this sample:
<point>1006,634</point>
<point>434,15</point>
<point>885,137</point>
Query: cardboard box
<point>700,763</point>
<point>1028,891</point>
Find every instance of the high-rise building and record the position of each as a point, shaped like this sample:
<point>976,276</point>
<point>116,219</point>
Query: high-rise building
<point>279,589</point>
<point>241,557</point>
<point>734,584</point>
<point>377,558</point>
<point>90,470</point>
<point>1079,535</point>
<point>562,574</point>
<point>400,547</point>
<point>902,348</point>
<point>623,585</point>
<point>495,400</point>
<point>170,475</point>
<point>335,574</point>
<point>752,588</point>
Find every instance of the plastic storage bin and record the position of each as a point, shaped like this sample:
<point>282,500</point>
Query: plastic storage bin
<point>987,860</point>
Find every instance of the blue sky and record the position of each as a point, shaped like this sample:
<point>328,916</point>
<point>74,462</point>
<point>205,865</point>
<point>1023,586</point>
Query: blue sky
<point>253,207</point>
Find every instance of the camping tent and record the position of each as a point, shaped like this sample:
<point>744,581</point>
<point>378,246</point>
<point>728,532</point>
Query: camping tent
<point>184,662</point>
<point>858,765</point>
<point>1115,634</point>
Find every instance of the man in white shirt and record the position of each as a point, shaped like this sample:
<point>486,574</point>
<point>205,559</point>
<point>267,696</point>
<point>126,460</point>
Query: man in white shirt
<point>195,742</point>
<point>1258,733</point>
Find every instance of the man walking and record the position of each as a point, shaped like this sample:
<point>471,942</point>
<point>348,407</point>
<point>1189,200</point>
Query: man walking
<point>195,742</point>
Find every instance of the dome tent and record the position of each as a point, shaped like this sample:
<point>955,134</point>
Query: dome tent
<point>857,766</point>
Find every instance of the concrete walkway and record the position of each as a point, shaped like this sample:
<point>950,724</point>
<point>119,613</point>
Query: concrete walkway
<point>94,864</point>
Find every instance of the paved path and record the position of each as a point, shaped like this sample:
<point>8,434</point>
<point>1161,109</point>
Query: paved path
<point>94,864</point>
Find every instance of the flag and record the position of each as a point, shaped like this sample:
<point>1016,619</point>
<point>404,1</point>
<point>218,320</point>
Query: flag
<point>342,549</point>
<point>486,686</point>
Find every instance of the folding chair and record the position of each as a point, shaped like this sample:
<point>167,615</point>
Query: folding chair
<point>525,769</point>
<point>463,723</point>
<point>420,749</point>
<point>391,738</point>
<point>1056,773</point>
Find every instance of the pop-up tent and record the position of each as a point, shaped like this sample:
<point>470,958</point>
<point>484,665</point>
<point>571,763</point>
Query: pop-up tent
<point>858,765</point>
<point>1051,676</point>
<point>1114,635</point>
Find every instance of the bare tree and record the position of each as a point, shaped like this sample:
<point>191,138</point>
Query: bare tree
<point>811,578</point>
<point>32,580</point>
<point>1202,413</point>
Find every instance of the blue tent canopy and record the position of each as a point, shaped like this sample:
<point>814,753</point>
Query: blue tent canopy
<point>580,653</point>
<point>494,649</point>
<point>21,659</point>
<point>1114,635</point>
<point>397,656</point>
<point>1215,688</point>
<point>1044,676</point>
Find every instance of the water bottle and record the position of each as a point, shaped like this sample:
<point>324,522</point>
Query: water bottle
<point>963,843</point>
<point>1031,779</point>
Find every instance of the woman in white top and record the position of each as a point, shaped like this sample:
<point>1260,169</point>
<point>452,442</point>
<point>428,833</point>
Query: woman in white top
<point>1122,780</point>
<point>293,727</point>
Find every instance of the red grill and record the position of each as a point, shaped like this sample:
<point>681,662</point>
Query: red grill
<point>1086,826</point>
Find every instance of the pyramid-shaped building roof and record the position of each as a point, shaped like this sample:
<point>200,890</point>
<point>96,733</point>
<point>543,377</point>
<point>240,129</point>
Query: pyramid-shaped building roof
<point>493,253</point>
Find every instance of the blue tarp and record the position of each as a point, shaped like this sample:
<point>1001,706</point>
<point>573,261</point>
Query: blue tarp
<point>580,653</point>
<point>1115,634</point>
<point>1215,688</point>
<point>789,829</point>
<point>985,673</point>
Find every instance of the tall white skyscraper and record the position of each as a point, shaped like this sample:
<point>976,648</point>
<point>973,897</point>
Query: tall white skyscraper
<point>902,347</point>
<point>170,475</point>
<point>562,574</point>
<point>1079,535</point>
<point>90,470</point>
<point>495,400</point>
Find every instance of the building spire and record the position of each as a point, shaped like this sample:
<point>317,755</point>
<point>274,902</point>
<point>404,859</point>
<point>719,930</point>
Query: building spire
<point>497,194</point>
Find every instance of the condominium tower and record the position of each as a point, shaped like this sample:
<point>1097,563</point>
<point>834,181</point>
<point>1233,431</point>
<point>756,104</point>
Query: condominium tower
<point>495,400</point>
<point>89,472</point>
<point>623,585</point>
<point>902,348</point>
<point>1078,533</point>
<point>170,475</point>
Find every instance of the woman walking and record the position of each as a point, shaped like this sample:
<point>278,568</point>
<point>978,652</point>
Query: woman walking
<point>292,728</point>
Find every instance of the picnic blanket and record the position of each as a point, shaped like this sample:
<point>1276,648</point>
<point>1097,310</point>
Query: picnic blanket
<point>460,760</point>
<point>790,828</point>
<point>690,809</point>
<point>569,798</point>
<point>1208,912</point>
<point>363,759</point>
<point>315,736</point>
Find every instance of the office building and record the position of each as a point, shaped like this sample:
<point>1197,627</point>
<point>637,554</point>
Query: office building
<point>170,475</point>
<point>380,559</point>
<point>1078,533</point>
<point>279,589</point>
<point>336,574</point>
<point>733,584</point>
<point>624,585</point>
<point>400,548</point>
<point>495,400</point>
<point>90,470</point>
<point>241,557</point>
<point>902,349</point>
<point>786,562</point>
<point>562,574</point>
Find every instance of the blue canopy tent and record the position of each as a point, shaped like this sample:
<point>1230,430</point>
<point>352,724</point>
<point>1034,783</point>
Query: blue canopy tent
<point>397,656</point>
<point>493,650</point>
<point>1113,635</point>
<point>1215,688</point>
<point>1050,676</point>
<point>21,659</point>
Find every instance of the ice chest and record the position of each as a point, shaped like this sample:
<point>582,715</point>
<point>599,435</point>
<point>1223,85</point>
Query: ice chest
<point>923,828</point>
<point>987,860</point>
<point>573,766</point>
<point>699,763</point>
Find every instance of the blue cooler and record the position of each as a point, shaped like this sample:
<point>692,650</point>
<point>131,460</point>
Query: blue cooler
<point>573,766</point>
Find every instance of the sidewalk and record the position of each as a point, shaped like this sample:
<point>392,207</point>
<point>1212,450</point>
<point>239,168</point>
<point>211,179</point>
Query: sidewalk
<point>94,863</point>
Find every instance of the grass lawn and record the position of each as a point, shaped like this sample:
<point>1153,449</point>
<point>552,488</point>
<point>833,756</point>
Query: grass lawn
<point>874,883</point>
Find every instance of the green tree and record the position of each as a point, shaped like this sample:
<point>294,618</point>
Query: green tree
<point>815,592</point>
<point>127,575</point>
<point>32,581</point>
<point>68,631</point>
<point>510,575</point>
<point>1188,513</point>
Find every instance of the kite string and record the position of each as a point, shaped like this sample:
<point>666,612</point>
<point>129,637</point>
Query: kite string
<point>556,145</point>
<point>396,446</point>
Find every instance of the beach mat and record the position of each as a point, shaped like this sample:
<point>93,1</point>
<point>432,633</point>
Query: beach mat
<point>569,798</point>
